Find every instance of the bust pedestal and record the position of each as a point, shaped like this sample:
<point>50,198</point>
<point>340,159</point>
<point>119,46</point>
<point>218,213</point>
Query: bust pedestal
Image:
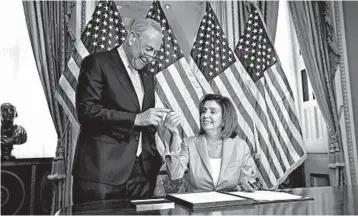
<point>25,189</point>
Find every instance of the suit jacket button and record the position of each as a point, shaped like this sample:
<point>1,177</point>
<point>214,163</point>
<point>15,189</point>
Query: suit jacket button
<point>136,137</point>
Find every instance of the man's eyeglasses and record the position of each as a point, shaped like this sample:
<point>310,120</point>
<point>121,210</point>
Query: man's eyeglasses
<point>145,57</point>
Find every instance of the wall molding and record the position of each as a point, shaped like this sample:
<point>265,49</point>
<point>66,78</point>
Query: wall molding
<point>347,125</point>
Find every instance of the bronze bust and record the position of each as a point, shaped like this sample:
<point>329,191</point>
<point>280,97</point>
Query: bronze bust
<point>11,134</point>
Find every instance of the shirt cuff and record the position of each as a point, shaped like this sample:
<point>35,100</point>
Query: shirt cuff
<point>172,153</point>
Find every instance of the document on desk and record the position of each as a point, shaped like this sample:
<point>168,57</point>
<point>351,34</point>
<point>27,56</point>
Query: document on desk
<point>152,204</point>
<point>207,199</point>
<point>264,195</point>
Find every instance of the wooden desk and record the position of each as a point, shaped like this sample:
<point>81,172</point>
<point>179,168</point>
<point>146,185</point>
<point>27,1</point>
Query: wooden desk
<point>341,200</point>
<point>24,186</point>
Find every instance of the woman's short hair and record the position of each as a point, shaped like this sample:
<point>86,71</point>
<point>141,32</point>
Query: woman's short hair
<point>229,115</point>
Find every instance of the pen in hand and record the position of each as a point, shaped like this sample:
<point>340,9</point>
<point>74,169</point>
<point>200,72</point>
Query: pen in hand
<point>254,185</point>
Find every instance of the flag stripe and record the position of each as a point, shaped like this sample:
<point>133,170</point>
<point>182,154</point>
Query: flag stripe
<point>284,117</point>
<point>178,92</point>
<point>219,87</point>
<point>288,131</point>
<point>275,139</point>
<point>67,88</point>
<point>77,58</point>
<point>207,89</point>
<point>257,105</point>
<point>286,114</point>
<point>160,142</point>
<point>74,71</point>
<point>74,67</point>
<point>189,80</point>
<point>264,167</point>
<point>216,88</point>
<point>239,74</point>
<point>267,154</point>
<point>288,101</point>
<point>69,108</point>
<point>170,98</point>
<point>238,92</point>
<point>261,95</point>
<point>240,102</point>
<point>283,77</point>
<point>258,114</point>
<point>188,86</point>
<point>263,175</point>
<point>81,49</point>
<point>70,79</point>
<point>276,126</point>
<point>269,150</point>
<point>289,151</point>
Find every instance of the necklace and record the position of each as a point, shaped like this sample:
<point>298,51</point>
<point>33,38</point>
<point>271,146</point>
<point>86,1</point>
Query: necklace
<point>215,148</point>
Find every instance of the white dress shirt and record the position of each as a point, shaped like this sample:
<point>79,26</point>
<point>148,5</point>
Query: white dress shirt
<point>138,87</point>
<point>215,165</point>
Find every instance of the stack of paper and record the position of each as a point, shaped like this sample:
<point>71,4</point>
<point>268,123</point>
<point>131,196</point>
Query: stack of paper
<point>207,199</point>
<point>267,195</point>
<point>152,204</point>
<point>235,198</point>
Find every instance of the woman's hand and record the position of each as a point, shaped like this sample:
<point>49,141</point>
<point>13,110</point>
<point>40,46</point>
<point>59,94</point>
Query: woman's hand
<point>171,122</point>
<point>250,185</point>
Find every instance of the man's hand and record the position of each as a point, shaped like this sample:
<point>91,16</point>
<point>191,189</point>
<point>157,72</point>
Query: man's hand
<point>151,116</point>
<point>171,122</point>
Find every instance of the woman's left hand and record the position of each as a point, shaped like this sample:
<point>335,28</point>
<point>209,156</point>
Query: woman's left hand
<point>249,185</point>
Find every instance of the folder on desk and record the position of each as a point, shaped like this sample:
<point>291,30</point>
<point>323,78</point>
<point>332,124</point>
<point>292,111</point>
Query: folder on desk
<point>152,204</point>
<point>207,200</point>
<point>265,196</point>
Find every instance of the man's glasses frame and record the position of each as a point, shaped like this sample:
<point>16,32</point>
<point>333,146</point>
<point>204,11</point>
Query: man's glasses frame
<point>145,57</point>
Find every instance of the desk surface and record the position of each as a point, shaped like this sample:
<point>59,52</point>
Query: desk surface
<point>341,200</point>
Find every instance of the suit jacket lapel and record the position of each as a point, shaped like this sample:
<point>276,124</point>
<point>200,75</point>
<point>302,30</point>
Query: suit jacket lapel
<point>228,148</point>
<point>202,148</point>
<point>122,75</point>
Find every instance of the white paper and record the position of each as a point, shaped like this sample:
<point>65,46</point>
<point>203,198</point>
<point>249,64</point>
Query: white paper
<point>150,200</point>
<point>267,195</point>
<point>206,197</point>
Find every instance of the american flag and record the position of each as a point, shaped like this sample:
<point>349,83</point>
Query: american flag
<point>267,118</point>
<point>176,85</point>
<point>103,32</point>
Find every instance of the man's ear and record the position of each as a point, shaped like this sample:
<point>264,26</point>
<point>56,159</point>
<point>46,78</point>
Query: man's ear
<point>131,38</point>
<point>16,114</point>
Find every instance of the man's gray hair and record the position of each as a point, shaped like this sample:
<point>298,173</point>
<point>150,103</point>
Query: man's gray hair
<point>141,25</point>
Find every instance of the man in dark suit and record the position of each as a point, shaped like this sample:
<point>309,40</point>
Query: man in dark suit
<point>116,155</point>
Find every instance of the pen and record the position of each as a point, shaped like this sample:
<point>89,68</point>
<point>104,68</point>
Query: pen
<point>253,185</point>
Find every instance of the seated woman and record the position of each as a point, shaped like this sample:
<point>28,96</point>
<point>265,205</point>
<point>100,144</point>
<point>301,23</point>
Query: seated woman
<point>217,159</point>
